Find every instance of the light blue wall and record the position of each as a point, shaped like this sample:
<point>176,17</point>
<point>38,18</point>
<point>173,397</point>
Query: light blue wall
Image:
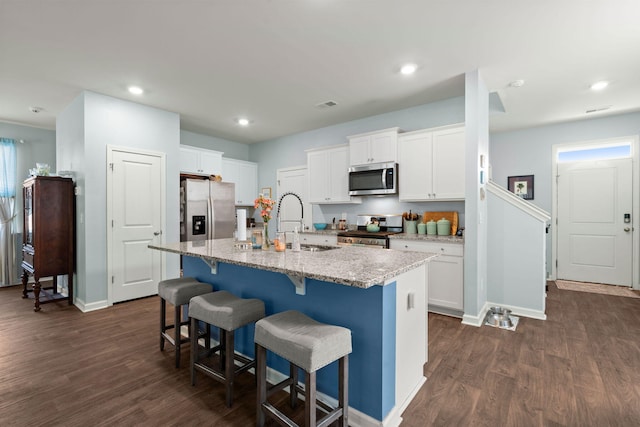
<point>529,151</point>
<point>94,121</point>
<point>475,241</point>
<point>39,146</point>
<point>289,151</point>
<point>233,150</point>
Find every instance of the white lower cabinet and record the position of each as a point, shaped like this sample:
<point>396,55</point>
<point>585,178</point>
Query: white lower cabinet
<point>318,239</point>
<point>446,273</point>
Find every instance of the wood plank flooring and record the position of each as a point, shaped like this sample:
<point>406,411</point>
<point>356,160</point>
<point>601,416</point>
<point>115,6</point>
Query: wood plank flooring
<point>580,367</point>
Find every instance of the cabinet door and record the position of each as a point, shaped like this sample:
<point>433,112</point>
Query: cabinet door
<point>414,166</point>
<point>210,162</point>
<point>339,174</point>
<point>189,160</point>
<point>319,179</point>
<point>446,273</point>
<point>446,282</point>
<point>448,164</point>
<point>200,161</point>
<point>245,177</point>
<point>384,147</point>
<point>359,150</point>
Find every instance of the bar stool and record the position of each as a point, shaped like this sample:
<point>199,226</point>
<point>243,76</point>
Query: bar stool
<point>309,345</point>
<point>228,313</point>
<point>178,292</point>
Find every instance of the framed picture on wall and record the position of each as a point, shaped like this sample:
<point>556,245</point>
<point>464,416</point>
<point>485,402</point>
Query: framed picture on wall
<point>521,186</point>
<point>266,192</point>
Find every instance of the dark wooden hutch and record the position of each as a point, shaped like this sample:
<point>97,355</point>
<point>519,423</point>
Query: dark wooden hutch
<point>48,236</point>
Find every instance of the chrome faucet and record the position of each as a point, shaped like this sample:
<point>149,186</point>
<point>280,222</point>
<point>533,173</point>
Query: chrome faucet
<point>290,193</point>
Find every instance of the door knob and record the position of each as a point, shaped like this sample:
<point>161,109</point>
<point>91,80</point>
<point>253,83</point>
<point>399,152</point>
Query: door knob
<point>157,233</point>
<point>627,229</point>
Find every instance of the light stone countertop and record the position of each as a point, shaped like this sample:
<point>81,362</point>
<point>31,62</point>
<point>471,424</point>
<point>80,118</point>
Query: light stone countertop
<point>428,238</point>
<point>346,265</point>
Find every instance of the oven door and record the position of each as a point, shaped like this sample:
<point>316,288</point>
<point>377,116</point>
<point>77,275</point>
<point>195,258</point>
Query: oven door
<point>373,179</point>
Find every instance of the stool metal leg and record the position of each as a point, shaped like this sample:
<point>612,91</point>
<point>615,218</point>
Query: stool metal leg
<point>163,321</point>
<point>293,392</point>
<point>261,377</point>
<point>194,350</point>
<point>178,338</point>
<point>310,399</point>
<point>229,365</point>
<point>343,389</point>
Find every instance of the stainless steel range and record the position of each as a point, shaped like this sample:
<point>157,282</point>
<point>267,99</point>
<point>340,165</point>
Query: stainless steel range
<point>389,224</point>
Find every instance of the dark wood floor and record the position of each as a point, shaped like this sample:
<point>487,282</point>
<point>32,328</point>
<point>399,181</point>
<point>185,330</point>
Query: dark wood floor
<point>581,367</point>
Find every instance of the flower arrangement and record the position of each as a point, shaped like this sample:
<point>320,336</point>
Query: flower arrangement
<point>266,206</point>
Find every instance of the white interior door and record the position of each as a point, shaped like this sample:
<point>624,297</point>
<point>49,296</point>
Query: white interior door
<point>293,180</point>
<point>594,242</point>
<point>136,207</point>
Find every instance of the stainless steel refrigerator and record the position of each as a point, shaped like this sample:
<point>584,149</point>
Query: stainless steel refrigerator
<point>207,209</point>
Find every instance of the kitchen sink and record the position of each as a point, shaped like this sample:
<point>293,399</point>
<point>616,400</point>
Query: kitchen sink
<point>314,248</point>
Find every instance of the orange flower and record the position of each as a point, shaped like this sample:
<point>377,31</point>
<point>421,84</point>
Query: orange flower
<point>266,205</point>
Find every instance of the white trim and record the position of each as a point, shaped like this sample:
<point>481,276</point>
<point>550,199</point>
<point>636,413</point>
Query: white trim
<point>163,208</point>
<point>635,157</point>
<point>519,202</point>
<point>518,311</point>
<point>85,308</point>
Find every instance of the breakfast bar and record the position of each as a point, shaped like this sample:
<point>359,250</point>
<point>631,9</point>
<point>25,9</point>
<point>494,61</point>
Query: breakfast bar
<point>380,295</point>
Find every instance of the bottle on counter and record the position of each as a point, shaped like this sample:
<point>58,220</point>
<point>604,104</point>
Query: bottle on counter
<point>295,240</point>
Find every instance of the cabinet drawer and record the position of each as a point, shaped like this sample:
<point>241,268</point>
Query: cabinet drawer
<point>451,249</point>
<point>319,239</point>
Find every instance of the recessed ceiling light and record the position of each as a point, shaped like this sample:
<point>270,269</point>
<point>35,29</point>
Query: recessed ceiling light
<point>136,90</point>
<point>408,69</point>
<point>599,85</point>
<point>516,83</point>
<point>243,121</point>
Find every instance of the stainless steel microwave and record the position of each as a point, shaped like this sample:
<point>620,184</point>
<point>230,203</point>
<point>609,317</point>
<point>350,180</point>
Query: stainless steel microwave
<point>373,179</point>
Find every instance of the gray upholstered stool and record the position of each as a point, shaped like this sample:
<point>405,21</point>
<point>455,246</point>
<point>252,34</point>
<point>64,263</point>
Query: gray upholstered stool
<point>309,345</point>
<point>177,292</point>
<point>227,312</point>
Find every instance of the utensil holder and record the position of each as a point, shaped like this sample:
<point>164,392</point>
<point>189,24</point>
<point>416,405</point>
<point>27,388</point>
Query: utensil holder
<point>410,227</point>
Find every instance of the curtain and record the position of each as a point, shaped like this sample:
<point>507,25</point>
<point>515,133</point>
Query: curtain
<point>7,204</point>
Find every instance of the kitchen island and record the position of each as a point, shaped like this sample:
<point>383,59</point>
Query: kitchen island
<point>380,295</point>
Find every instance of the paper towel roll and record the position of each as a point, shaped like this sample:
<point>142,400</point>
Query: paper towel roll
<point>241,216</point>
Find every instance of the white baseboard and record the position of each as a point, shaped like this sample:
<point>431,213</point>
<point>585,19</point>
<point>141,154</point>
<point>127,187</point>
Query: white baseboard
<point>84,307</point>
<point>515,310</point>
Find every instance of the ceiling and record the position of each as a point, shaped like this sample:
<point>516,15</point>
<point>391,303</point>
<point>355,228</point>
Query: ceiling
<point>273,61</point>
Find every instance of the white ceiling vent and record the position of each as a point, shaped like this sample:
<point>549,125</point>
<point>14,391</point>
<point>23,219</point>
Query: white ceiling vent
<point>326,104</point>
<point>595,110</point>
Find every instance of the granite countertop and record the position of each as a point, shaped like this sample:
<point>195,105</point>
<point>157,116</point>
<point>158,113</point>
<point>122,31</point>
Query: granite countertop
<point>428,238</point>
<point>346,265</point>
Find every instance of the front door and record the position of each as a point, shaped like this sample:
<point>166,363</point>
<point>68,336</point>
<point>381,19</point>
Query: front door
<point>136,188</point>
<point>594,241</point>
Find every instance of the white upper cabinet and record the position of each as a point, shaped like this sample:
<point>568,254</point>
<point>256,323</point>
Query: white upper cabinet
<point>200,161</point>
<point>431,164</point>
<point>245,176</point>
<point>328,172</point>
<point>374,147</point>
